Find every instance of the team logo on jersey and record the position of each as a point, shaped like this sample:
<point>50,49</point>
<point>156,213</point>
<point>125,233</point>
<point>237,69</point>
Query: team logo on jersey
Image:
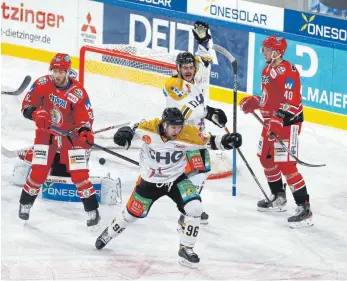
<point>289,84</point>
<point>72,98</point>
<point>78,93</point>
<point>280,70</point>
<point>273,73</point>
<point>265,79</point>
<point>263,98</point>
<point>147,139</point>
<point>56,117</point>
<point>178,92</point>
<point>42,81</point>
<point>73,73</point>
<point>57,101</point>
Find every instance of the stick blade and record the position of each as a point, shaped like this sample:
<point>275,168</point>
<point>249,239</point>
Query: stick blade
<point>21,88</point>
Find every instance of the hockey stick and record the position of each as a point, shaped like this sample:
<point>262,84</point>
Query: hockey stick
<point>233,62</point>
<point>249,169</point>
<point>286,148</point>
<point>14,153</point>
<point>66,133</point>
<point>11,153</point>
<point>21,88</point>
<point>111,128</point>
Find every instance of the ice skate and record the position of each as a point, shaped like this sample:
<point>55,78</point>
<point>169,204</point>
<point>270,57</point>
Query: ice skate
<point>93,220</point>
<point>187,257</point>
<point>103,239</point>
<point>277,203</point>
<point>204,218</point>
<point>24,211</point>
<point>302,217</point>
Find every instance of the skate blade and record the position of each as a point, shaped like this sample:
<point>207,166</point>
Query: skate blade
<point>204,222</point>
<point>94,228</point>
<point>301,224</point>
<point>271,209</point>
<point>184,262</point>
<point>22,222</point>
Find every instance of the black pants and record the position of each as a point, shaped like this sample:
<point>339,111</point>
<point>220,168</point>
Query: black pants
<point>181,191</point>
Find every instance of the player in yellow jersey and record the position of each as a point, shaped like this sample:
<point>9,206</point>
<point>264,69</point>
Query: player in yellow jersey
<point>188,91</point>
<point>162,166</point>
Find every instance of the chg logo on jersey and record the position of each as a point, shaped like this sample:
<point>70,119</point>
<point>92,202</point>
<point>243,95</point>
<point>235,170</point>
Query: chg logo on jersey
<point>289,84</point>
<point>57,101</point>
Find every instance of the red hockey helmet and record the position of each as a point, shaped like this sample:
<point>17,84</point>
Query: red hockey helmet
<point>61,61</point>
<point>276,43</point>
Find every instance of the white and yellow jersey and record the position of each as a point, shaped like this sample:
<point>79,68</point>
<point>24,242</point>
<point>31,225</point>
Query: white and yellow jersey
<point>163,160</point>
<point>190,97</point>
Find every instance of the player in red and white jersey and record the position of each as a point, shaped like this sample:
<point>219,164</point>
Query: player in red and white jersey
<point>281,107</point>
<point>59,100</point>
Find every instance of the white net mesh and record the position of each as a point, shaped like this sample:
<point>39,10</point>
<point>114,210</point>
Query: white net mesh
<point>124,88</point>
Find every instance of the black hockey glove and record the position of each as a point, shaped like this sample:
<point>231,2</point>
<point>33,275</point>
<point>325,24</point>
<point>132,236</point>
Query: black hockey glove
<point>229,141</point>
<point>124,136</point>
<point>216,116</point>
<point>200,32</point>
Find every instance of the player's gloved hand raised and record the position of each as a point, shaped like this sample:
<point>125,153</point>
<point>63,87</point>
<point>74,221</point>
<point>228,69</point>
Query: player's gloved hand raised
<point>216,116</point>
<point>86,135</point>
<point>200,32</point>
<point>275,127</point>
<point>42,118</point>
<point>124,136</point>
<point>229,141</point>
<point>249,104</point>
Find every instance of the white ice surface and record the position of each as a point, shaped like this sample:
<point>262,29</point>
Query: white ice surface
<point>238,244</point>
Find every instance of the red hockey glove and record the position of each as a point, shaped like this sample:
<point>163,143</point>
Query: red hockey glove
<point>249,104</point>
<point>86,137</point>
<point>275,126</point>
<point>41,118</point>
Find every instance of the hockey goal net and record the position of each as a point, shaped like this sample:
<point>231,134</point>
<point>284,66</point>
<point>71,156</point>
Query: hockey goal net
<point>124,84</point>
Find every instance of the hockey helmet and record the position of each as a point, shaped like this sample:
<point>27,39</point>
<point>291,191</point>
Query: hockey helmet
<point>61,61</point>
<point>172,116</point>
<point>185,58</point>
<point>275,43</point>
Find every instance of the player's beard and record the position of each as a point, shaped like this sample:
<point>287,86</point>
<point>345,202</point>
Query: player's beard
<point>60,82</point>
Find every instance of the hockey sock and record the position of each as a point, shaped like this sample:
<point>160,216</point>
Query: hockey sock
<point>189,231</point>
<point>120,223</point>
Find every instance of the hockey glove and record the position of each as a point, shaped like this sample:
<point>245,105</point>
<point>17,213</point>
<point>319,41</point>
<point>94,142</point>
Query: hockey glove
<point>41,118</point>
<point>229,141</point>
<point>249,104</point>
<point>124,136</point>
<point>85,135</point>
<point>200,32</point>
<point>216,116</point>
<point>275,127</point>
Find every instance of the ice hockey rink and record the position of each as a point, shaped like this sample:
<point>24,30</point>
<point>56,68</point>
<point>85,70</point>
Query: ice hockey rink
<point>239,243</point>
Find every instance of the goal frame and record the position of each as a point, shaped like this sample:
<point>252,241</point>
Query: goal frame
<point>118,54</point>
